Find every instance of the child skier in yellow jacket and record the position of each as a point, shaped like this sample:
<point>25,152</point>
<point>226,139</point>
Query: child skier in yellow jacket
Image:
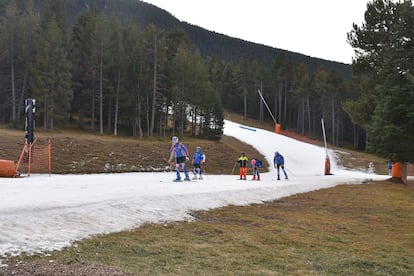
<point>243,161</point>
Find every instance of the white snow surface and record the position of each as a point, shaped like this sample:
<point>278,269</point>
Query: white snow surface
<point>42,213</point>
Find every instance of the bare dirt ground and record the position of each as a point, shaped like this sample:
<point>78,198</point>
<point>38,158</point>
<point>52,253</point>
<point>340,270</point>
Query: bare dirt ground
<point>76,152</point>
<point>54,269</point>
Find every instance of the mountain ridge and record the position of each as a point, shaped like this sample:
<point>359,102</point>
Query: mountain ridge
<point>209,43</point>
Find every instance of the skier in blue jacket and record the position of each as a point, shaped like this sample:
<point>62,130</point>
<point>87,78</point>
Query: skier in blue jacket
<point>180,152</point>
<point>198,159</point>
<point>279,162</point>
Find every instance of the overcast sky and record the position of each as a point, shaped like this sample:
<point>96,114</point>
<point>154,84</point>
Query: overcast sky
<point>316,28</point>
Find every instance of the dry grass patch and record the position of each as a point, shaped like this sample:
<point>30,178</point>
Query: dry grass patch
<point>83,152</point>
<point>360,160</point>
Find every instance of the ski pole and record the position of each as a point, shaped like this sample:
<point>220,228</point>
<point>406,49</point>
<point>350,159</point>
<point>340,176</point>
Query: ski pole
<point>171,165</point>
<point>290,172</point>
<point>232,171</point>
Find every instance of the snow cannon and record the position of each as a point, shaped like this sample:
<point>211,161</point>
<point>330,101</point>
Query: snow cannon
<point>278,129</point>
<point>7,168</point>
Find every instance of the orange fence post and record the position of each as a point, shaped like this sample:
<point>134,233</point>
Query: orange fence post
<point>396,170</point>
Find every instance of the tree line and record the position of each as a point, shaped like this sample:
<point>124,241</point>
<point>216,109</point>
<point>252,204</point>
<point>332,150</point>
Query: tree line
<point>106,73</point>
<point>100,71</point>
<point>110,73</point>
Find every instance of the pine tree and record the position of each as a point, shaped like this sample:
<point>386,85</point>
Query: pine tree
<point>243,82</point>
<point>301,86</point>
<point>384,47</point>
<point>51,77</point>
<point>83,68</point>
<point>116,70</point>
<point>132,99</point>
<point>280,72</point>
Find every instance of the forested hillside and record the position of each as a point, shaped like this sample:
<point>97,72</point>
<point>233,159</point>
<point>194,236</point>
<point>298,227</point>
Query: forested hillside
<point>209,43</point>
<point>126,66</point>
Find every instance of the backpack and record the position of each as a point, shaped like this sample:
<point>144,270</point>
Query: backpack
<point>258,163</point>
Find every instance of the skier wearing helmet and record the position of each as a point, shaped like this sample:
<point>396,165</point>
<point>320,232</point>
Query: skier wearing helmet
<point>180,152</point>
<point>279,162</point>
<point>198,159</point>
<point>243,161</point>
<point>255,167</point>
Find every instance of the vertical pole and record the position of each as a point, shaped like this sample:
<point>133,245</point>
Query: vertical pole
<point>49,155</point>
<point>29,159</point>
<point>29,129</point>
<point>29,122</point>
<point>327,161</point>
<point>324,135</point>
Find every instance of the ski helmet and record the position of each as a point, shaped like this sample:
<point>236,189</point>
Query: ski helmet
<point>198,149</point>
<point>174,139</point>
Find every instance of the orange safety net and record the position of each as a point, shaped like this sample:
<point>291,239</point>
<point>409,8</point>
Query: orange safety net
<point>35,158</point>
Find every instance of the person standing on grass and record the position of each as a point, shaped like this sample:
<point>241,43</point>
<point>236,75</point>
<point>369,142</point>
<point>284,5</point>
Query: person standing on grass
<point>198,159</point>
<point>279,162</point>
<point>180,152</point>
<point>243,161</point>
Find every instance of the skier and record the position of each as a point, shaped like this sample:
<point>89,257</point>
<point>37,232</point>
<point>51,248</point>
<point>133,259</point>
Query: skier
<point>279,162</point>
<point>181,155</point>
<point>243,161</point>
<point>255,167</point>
<point>199,158</point>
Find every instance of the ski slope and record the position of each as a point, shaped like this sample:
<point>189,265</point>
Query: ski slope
<point>43,213</point>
